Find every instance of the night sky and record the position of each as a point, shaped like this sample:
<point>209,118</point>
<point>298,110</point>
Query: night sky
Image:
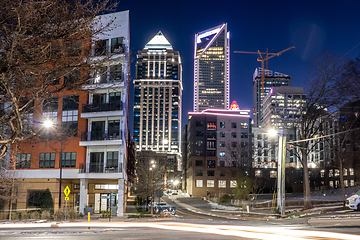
<point>311,26</point>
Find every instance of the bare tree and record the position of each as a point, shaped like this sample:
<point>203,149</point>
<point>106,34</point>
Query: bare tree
<point>323,97</point>
<point>346,134</point>
<point>149,177</point>
<point>45,49</point>
<point>10,186</point>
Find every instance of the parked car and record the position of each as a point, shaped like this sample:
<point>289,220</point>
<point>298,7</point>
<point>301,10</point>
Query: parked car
<point>353,202</point>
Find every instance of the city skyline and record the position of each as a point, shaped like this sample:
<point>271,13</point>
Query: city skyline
<point>309,26</point>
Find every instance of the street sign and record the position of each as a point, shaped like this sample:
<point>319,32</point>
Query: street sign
<point>67,191</point>
<point>66,198</point>
<point>159,193</point>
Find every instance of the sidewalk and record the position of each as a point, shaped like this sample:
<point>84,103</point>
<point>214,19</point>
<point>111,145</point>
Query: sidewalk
<point>96,217</point>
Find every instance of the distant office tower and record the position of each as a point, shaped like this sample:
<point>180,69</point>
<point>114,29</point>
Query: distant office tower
<point>157,100</point>
<point>282,107</point>
<point>212,69</point>
<point>272,79</point>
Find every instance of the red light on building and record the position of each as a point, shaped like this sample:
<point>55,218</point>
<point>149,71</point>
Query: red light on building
<point>234,106</point>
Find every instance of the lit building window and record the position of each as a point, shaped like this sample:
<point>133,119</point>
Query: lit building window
<point>210,183</point>
<point>233,184</point>
<point>199,183</point>
<point>222,183</point>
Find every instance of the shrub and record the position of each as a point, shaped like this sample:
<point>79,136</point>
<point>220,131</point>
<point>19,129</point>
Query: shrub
<point>105,214</point>
<point>34,215</point>
<point>72,214</point>
<point>25,215</point>
<point>59,215</point>
<point>46,201</point>
<point>45,215</point>
<point>15,216</point>
<point>225,198</point>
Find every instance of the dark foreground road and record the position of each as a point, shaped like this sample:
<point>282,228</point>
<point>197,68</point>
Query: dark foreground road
<point>107,233</point>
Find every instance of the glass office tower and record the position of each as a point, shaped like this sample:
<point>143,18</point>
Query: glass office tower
<point>211,69</point>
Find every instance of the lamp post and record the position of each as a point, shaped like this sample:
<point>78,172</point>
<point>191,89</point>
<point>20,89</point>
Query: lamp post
<point>152,186</point>
<point>281,169</point>
<point>48,124</point>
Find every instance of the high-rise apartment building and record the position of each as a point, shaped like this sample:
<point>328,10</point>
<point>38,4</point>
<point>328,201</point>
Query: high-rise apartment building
<point>212,69</point>
<point>89,153</point>
<point>157,99</point>
<point>272,79</point>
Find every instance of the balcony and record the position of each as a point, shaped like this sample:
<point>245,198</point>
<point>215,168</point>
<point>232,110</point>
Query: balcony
<point>102,110</point>
<point>102,107</point>
<point>100,138</point>
<point>98,170</point>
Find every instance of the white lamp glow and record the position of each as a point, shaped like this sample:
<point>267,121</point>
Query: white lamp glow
<point>272,132</point>
<point>48,123</point>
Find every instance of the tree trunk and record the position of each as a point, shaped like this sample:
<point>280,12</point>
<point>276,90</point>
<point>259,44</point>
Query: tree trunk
<point>152,205</point>
<point>12,190</point>
<point>341,172</point>
<point>306,182</point>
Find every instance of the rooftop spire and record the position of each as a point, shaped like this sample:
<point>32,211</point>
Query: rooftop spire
<point>158,41</point>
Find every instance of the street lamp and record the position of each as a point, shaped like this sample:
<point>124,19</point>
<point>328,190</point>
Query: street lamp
<point>152,186</point>
<point>281,169</point>
<point>49,124</point>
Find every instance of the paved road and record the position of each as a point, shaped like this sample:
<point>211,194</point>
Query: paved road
<point>107,233</point>
<point>191,224</point>
<point>183,213</point>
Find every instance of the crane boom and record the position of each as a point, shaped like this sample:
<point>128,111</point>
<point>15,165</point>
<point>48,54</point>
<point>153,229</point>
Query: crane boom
<point>262,60</point>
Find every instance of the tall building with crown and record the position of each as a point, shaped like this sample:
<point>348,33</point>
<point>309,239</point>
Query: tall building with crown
<point>272,79</point>
<point>157,99</point>
<point>212,69</point>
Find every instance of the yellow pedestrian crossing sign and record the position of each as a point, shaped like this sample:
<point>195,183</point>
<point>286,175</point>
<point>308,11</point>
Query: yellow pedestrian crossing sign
<point>67,191</point>
<point>66,198</point>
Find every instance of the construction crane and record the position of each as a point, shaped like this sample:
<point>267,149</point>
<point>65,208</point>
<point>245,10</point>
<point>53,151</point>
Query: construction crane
<point>264,56</point>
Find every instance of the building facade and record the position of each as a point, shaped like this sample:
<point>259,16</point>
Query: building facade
<point>282,109</point>
<point>212,69</point>
<point>158,95</point>
<point>218,150</point>
<point>92,160</point>
<point>272,79</point>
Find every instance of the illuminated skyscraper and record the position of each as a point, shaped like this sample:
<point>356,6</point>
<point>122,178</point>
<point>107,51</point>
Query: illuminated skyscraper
<point>157,100</point>
<point>212,69</point>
